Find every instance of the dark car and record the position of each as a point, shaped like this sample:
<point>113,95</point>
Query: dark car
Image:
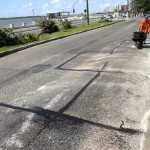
<point>109,17</point>
<point>146,15</point>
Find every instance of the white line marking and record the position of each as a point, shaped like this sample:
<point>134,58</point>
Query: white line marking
<point>30,93</point>
<point>55,100</point>
<point>46,86</point>
<point>144,124</point>
<point>27,123</point>
<point>133,46</point>
<point>42,88</point>
<point>14,139</point>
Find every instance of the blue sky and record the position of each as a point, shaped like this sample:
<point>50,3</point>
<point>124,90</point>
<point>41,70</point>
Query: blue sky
<point>15,8</point>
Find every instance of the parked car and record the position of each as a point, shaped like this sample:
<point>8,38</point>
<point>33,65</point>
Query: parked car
<point>109,17</point>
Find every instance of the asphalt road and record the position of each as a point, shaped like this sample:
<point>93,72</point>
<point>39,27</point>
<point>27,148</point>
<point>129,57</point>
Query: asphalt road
<point>85,92</point>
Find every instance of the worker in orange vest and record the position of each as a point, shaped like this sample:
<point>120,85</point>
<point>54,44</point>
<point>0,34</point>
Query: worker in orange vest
<point>145,25</point>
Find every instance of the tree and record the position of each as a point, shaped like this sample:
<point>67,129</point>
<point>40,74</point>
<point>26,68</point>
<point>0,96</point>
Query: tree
<point>140,6</point>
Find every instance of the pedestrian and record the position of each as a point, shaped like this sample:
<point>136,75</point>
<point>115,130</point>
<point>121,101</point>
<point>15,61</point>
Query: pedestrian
<point>145,25</point>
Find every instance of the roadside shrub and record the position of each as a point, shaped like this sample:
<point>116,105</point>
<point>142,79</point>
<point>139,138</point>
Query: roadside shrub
<point>48,26</point>
<point>66,24</point>
<point>26,38</point>
<point>6,37</point>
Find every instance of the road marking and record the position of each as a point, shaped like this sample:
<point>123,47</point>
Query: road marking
<point>144,124</point>
<point>14,139</point>
<point>46,86</point>
<point>42,88</point>
<point>29,93</point>
<point>55,100</point>
<point>27,123</point>
<point>133,46</point>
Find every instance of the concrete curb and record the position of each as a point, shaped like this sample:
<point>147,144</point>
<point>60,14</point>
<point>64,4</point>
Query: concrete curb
<point>2,54</point>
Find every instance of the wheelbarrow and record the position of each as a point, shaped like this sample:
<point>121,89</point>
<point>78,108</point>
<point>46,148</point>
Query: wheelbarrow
<point>139,38</point>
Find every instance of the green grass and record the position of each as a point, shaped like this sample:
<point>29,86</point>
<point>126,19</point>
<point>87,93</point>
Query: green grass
<point>7,48</point>
<point>76,29</point>
<point>60,34</point>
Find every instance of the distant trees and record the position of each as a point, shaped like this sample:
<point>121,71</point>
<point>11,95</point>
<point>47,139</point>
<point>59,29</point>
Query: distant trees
<point>138,6</point>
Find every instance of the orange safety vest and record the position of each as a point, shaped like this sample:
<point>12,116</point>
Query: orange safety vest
<point>144,25</point>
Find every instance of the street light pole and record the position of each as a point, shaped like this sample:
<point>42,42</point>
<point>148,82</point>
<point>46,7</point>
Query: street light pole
<point>33,12</point>
<point>74,5</point>
<point>128,9</point>
<point>87,11</point>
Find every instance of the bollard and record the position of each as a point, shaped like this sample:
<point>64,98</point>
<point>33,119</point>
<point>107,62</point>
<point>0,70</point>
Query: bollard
<point>33,23</point>
<point>11,25</point>
<point>24,24</point>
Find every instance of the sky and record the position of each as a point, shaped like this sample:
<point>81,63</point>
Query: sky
<point>17,8</point>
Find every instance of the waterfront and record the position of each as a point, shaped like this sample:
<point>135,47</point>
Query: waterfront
<point>19,21</point>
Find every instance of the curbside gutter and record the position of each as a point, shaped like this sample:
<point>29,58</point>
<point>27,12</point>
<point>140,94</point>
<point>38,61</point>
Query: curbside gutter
<point>2,54</point>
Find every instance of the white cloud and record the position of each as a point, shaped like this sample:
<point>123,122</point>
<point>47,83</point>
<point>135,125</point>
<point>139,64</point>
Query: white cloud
<point>55,1</point>
<point>28,5</point>
<point>106,5</point>
<point>45,8</point>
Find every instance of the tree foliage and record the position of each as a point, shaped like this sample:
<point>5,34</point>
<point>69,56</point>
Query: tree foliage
<point>7,37</point>
<point>141,6</point>
<point>48,26</point>
<point>66,24</point>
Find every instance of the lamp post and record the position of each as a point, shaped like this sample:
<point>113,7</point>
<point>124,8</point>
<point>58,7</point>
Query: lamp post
<point>33,12</point>
<point>74,5</point>
<point>87,11</point>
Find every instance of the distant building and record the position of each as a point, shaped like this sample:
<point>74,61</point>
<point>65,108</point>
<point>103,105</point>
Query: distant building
<point>124,8</point>
<point>58,15</point>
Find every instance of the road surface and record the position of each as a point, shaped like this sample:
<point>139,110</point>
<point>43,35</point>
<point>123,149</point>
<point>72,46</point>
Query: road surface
<point>85,92</point>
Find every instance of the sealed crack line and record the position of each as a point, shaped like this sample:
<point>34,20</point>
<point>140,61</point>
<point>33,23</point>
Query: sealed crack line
<point>56,115</point>
<point>116,48</point>
<point>72,58</point>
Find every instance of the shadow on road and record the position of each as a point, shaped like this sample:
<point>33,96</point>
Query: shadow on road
<point>60,66</point>
<point>146,46</point>
<point>48,113</point>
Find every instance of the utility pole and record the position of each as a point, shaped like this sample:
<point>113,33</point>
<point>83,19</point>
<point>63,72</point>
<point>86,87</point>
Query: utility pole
<point>128,9</point>
<point>87,11</point>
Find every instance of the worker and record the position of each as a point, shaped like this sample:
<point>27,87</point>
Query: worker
<point>145,25</point>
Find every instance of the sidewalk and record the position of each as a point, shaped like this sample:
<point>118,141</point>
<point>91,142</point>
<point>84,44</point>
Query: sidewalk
<point>26,29</point>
